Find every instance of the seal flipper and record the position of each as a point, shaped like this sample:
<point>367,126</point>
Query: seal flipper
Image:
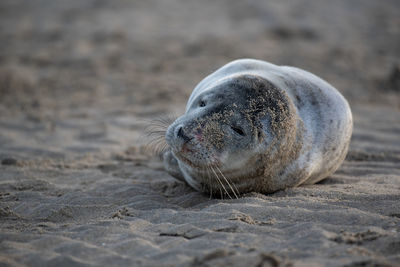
<point>171,166</point>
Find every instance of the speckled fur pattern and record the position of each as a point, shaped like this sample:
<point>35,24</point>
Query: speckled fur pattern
<point>255,126</point>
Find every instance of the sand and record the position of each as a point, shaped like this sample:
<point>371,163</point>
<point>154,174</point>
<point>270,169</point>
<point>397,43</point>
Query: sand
<point>79,81</point>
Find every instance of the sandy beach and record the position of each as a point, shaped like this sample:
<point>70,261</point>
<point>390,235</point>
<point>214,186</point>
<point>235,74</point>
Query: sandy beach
<point>81,80</point>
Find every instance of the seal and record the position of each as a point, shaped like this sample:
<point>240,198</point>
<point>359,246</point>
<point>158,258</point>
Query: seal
<point>255,126</point>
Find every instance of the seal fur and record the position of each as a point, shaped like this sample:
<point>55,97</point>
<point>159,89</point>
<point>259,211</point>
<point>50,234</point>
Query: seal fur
<point>255,126</point>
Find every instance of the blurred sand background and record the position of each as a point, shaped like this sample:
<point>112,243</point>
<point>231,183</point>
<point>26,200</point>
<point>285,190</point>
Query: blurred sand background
<point>79,80</point>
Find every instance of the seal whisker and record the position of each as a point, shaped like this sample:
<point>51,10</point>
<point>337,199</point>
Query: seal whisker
<point>216,175</point>
<point>157,138</point>
<point>156,141</point>
<point>209,180</point>
<point>163,148</point>
<point>156,146</point>
<point>210,174</point>
<point>166,119</point>
<point>161,133</point>
<point>153,141</point>
<point>154,134</point>
<point>158,126</point>
<point>220,185</point>
<point>226,180</point>
<point>158,123</point>
<point>155,128</point>
<point>161,122</point>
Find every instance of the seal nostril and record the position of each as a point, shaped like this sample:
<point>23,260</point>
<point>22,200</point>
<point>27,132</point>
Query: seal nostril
<point>181,134</point>
<point>238,130</point>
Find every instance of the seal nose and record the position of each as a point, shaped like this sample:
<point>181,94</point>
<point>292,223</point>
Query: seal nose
<point>181,134</point>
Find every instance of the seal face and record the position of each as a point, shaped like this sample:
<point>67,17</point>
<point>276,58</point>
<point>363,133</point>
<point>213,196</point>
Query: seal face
<point>253,126</point>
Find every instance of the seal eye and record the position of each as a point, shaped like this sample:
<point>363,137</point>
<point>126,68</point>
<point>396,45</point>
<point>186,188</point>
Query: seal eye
<point>238,130</point>
<point>202,103</point>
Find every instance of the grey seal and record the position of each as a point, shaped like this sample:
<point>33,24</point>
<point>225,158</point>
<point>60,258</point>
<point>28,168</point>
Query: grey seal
<point>255,126</point>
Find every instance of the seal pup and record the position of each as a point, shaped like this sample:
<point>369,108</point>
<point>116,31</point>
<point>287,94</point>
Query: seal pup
<point>255,126</point>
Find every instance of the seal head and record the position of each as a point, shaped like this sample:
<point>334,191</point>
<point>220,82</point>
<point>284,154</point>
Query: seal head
<point>236,136</point>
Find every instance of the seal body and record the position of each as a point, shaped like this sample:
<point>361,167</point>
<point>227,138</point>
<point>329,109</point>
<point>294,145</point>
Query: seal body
<point>255,126</point>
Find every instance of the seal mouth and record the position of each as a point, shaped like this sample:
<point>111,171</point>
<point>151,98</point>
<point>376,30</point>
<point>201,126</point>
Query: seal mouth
<point>186,160</point>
